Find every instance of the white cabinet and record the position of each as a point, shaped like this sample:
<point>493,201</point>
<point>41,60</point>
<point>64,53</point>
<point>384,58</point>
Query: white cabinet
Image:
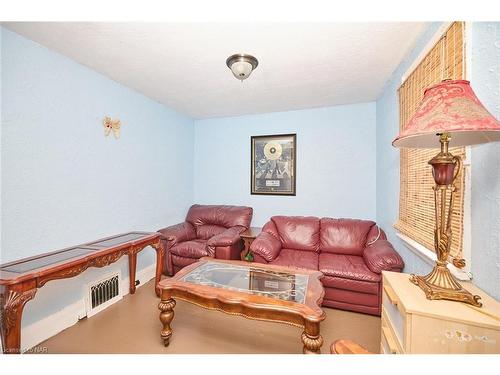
<point>413,324</point>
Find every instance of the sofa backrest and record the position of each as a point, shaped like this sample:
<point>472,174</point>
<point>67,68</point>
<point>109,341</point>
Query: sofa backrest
<point>297,232</point>
<point>347,236</point>
<point>210,220</point>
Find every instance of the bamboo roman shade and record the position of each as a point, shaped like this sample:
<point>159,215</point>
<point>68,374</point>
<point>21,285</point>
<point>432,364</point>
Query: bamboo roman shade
<point>446,60</point>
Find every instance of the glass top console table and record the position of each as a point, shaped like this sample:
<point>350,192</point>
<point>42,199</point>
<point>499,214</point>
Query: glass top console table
<point>19,280</point>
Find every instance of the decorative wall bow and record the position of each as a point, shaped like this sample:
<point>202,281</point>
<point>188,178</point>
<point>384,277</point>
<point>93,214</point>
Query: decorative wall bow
<point>110,124</point>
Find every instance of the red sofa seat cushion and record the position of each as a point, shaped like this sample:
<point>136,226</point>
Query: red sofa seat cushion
<point>297,258</point>
<point>190,249</point>
<point>352,298</point>
<point>344,236</point>
<point>298,232</point>
<point>347,267</point>
<point>350,284</point>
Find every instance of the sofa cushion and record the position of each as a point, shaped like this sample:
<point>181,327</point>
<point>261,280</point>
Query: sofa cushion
<point>350,284</point>
<point>224,216</point>
<point>270,228</point>
<point>346,266</point>
<point>190,249</point>
<point>207,231</point>
<point>376,233</point>
<point>352,298</point>
<point>297,259</point>
<point>344,236</point>
<point>298,232</point>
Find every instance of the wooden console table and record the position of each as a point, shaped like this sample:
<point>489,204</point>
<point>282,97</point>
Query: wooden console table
<point>19,280</point>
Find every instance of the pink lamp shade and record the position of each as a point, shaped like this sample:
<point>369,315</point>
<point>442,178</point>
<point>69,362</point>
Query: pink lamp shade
<point>452,107</point>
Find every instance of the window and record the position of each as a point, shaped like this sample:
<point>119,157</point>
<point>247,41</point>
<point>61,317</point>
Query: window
<point>445,60</point>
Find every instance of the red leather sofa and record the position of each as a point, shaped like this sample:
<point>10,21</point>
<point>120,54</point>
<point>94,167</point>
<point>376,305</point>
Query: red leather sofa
<point>208,230</point>
<point>350,253</point>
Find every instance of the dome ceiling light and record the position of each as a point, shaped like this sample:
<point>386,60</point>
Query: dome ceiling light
<point>242,65</point>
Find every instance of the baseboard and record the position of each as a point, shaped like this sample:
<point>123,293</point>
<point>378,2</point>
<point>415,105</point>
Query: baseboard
<point>51,325</point>
<point>143,276</point>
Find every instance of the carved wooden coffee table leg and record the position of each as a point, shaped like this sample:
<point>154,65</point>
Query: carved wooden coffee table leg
<point>311,338</point>
<point>166,307</point>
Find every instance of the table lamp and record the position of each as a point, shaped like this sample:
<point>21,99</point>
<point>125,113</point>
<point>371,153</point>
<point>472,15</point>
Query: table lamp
<point>449,111</point>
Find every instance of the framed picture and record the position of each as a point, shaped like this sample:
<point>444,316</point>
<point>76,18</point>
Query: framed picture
<point>273,163</point>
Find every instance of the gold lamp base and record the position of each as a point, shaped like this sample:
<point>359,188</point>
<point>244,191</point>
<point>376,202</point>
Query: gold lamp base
<point>441,284</point>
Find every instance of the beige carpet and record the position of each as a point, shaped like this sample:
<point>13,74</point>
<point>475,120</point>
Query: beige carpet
<point>132,326</point>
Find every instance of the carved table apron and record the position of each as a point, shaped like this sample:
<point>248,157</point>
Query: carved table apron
<point>19,280</point>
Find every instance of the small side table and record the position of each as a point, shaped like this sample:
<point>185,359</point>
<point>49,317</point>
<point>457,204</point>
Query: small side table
<point>248,236</point>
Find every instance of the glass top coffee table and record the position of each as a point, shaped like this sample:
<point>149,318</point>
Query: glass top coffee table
<point>253,290</point>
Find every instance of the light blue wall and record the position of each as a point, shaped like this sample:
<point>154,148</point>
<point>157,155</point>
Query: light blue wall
<point>1,90</point>
<point>63,182</point>
<point>335,162</point>
<point>485,80</point>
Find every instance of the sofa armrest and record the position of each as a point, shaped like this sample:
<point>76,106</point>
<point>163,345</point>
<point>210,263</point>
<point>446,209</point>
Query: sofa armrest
<point>229,237</point>
<point>178,233</point>
<point>381,256</point>
<point>267,246</point>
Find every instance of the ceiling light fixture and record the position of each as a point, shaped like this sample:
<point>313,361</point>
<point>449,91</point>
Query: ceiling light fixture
<point>242,65</point>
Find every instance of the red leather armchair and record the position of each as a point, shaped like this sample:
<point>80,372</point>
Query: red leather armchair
<point>351,254</point>
<point>208,231</point>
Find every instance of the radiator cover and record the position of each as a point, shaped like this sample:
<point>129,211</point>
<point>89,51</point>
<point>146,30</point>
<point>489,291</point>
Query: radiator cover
<point>103,293</point>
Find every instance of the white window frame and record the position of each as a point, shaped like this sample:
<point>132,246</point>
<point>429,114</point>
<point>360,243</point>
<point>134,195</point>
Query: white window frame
<point>428,255</point>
